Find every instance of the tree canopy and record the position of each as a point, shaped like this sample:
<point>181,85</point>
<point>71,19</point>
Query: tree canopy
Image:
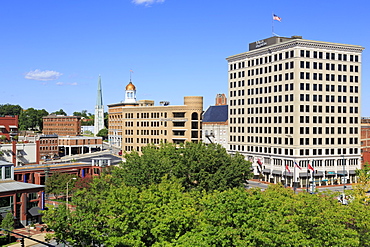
<point>31,119</point>
<point>57,183</point>
<point>166,214</point>
<point>8,109</point>
<point>60,112</point>
<point>103,133</point>
<point>196,165</point>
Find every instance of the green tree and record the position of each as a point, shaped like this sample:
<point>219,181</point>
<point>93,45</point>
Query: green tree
<point>196,165</point>
<point>103,133</point>
<point>31,119</point>
<point>83,113</point>
<point>8,223</point>
<point>106,119</point>
<point>120,215</point>
<point>9,109</point>
<point>60,112</point>
<point>57,183</point>
<point>2,138</point>
<point>110,213</point>
<point>277,217</point>
<point>363,184</point>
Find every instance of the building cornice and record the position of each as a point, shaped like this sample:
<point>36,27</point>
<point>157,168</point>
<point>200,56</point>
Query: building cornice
<point>296,43</point>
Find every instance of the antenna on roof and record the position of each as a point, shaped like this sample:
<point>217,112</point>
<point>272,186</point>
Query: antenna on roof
<point>131,71</point>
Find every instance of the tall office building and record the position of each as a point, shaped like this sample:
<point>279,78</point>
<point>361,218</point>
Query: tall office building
<point>99,110</point>
<point>134,124</point>
<point>296,100</point>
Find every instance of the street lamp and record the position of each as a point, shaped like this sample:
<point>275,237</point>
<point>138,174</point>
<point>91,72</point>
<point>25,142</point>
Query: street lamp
<point>67,192</point>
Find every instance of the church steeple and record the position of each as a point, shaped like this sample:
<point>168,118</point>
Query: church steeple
<point>99,110</point>
<point>99,98</point>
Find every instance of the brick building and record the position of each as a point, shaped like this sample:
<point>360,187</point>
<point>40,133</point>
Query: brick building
<point>79,144</point>
<point>23,200</point>
<point>365,139</point>
<point>48,147</point>
<point>8,126</point>
<point>62,125</point>
<point>134,124</point>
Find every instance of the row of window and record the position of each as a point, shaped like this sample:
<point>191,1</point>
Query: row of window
<point>328,77</point>
<point>290,141</point>
<point>328,88</point>
<point>328,55</point>
<point>328,66</point>
<point>328,98</point>
<point>279,119</point>
<point>302,130</point>
<point>290,54</point>
<point>306,152</point>
<point>328,141</point>
<point>290,108</point>
<point>302,152</point>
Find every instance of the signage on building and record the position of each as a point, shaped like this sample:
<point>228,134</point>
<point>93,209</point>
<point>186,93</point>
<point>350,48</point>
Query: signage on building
<point>260,43</point>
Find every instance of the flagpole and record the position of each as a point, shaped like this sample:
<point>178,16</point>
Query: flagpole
<point>294,183</point>
<point>272,23</point>
<point>312,175</point>
<point>307,176</point>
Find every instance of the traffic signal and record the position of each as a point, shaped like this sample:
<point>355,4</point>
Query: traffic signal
<point>22,242</point>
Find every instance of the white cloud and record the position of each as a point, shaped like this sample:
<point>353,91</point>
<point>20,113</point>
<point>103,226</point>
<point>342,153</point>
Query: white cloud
<point>147,2</point>
<point>66,83</point>
<point>46,75</point>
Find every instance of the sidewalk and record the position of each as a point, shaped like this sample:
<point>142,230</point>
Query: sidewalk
<point>33,233</point>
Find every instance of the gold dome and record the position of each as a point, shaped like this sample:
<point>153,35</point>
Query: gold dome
<point>130,87</point>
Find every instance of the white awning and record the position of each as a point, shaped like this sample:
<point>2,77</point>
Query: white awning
<point>13,127</point>
<point>2,127</point>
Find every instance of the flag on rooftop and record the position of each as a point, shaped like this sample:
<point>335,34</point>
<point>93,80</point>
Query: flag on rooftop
<point>276,18</point>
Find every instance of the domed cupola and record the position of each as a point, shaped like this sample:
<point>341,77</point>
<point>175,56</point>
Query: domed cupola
<point>130,95</point>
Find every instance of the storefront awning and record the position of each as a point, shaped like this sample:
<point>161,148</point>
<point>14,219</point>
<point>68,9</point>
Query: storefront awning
<point>4,214</point>
<point>266,171</point>
<point>303,175</point>
<point>318,174</point>
<point>35,211</point>
<point>276,172</point>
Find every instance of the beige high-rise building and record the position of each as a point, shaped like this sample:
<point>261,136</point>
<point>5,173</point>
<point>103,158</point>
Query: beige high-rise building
<point>296,100</point>
<point>134,124</point>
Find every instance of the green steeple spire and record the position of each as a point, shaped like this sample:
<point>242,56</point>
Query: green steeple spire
<point>99,98</point>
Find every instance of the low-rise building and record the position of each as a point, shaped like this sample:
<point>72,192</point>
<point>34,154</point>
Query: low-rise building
<point>79,144</point>
<point>61,125</point>
<point>23,200</point>
<point>8,127</point>
<point>48,147</point>
<point>215,123</point>
<point>134,124</point>
<point>20,153</point>
<point>365,140</point>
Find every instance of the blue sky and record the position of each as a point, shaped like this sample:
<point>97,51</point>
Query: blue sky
<point>52,52</point>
